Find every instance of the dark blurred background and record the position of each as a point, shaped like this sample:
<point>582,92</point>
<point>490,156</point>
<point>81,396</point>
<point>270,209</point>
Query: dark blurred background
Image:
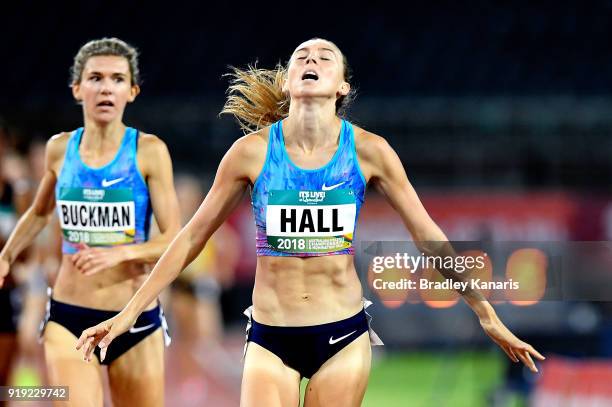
<point>510,95</point>
<point>500,111</point>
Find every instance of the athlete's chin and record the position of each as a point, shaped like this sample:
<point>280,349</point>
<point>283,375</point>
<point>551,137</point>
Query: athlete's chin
<point>312,94</point>
<point>103,118</point>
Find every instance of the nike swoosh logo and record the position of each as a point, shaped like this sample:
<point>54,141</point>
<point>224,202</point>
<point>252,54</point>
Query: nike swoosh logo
<point>134,330</point>
<point>329,188</point>
<point>332,340</point>
<point>106,183</point>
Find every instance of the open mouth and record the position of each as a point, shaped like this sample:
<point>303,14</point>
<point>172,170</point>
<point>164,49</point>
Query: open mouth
<point>310,75</point>
<point>106,103</point>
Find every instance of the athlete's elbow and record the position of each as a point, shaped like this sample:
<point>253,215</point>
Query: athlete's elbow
<point>172,232</point>
<point>169,233</point>
<point>427,239</point>
<point>34,217</point>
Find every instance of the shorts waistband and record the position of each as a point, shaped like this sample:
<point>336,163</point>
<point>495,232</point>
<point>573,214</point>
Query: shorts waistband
<point>355,320</point>
<point>58,307</point>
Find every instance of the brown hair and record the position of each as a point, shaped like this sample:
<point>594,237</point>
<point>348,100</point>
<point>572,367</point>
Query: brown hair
<point>105,46</point>
<point>256,99</point>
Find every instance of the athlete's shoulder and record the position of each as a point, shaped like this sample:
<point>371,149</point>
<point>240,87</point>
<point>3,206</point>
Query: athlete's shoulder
<point>150,144</point>
<point>58,140</point>
<point>252,145</point>
<point>369,145</point>
<point>56,145</point>
<point>152,155</point>
<point>55,151</point>
<point>246,157</point>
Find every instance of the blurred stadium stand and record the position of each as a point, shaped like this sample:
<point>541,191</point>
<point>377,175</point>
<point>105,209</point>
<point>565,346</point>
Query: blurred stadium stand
<point>491,94</point>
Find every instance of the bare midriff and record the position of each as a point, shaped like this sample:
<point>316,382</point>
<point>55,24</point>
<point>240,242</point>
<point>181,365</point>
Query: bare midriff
<point>110,289</point>
<point>294,291</point>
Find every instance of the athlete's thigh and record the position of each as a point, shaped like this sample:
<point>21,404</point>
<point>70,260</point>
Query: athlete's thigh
<point>66,367</point>
<point>342,380</point>
<point>136,378</point>
<point>266,381</point>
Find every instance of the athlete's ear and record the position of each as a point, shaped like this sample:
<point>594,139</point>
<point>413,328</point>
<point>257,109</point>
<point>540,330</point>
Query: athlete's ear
<point>76,92</point>
<point>134,91</point>
<point>345,88</point>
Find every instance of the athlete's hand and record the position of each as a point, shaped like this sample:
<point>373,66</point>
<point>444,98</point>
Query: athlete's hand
<point>103,334</point>
<point>513,346</point>
<point>90,260</point>
<point>4,270</point>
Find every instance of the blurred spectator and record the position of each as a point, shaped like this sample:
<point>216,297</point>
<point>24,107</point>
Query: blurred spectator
<point>194,304</point>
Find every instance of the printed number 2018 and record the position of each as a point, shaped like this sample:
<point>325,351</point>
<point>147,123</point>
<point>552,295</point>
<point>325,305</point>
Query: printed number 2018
<point>288,244</point>
<point>77,237</point>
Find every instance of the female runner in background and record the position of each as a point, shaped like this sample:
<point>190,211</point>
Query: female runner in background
<point>105,179</point>
<point>308,169</point>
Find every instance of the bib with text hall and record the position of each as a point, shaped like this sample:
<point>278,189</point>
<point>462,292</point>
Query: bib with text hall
<point>304,212</point>
<point>310,221</point>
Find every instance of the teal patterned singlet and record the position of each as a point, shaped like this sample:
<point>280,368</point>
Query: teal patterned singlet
<point>307,212</point>
<point>104,206</point>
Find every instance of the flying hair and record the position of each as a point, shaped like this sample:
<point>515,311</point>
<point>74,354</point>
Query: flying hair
<point>256,99</point>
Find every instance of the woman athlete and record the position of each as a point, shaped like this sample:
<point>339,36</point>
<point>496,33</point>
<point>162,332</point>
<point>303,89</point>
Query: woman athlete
<point>105,179</point>
<point>308,173</point>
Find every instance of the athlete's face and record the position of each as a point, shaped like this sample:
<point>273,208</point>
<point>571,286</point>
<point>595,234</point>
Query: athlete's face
<point>105,88</point>
<point>316,69</point>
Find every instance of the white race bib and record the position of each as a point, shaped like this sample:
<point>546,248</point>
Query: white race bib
<point>97,216</point>
<point>310,221</point>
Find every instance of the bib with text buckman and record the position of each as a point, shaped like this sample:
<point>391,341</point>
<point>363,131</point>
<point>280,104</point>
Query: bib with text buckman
<point>104,206</point>
<point>97,216</point>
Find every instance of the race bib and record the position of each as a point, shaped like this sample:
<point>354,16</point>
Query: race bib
<point>310,221</point>
<point>97,217</point>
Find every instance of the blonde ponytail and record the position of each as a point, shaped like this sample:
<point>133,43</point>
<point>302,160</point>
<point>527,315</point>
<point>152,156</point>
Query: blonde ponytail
<point>255,97</point>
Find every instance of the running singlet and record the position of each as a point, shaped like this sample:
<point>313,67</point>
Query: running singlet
<point>103,206</point>
<point>307,212</point>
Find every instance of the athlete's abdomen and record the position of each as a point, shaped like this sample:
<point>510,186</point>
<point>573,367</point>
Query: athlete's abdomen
<point>110,289</point>
<point>292,291</point>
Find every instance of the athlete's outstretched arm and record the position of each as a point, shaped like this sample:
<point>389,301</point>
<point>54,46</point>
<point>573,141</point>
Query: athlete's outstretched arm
<point>157,169</point>
<point>382,167</point>
<point>38,214</point>
<point>230,183</point>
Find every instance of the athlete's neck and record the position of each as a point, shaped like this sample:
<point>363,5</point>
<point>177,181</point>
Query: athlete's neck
<point>98,137</point>
<point>311,126</point>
